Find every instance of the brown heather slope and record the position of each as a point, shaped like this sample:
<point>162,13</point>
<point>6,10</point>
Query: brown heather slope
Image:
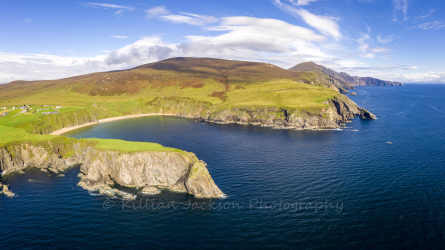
<point>184,72</point>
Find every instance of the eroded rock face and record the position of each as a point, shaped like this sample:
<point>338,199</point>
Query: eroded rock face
<point>170,170</point>
<point>337,111</point>
<point>102,168</point>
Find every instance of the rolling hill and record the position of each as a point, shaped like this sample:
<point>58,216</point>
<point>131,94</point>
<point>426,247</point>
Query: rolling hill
<point>215,90</point>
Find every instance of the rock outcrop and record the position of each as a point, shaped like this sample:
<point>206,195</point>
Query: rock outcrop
<point>5,190</point>
<point>101,169</point>
<point>365,114</point>
<point>150,190</point>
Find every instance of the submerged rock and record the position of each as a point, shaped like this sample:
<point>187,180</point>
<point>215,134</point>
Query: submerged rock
<point>150,190</point>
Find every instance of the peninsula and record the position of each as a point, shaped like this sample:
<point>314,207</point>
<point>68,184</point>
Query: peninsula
<point>213,90</point>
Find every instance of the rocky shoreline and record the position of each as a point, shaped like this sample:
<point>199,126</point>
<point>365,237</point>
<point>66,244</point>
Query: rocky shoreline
<point>338,111</point>
<point>102,169</point>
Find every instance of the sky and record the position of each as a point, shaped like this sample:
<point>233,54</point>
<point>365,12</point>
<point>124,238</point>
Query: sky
<point>398,40</point>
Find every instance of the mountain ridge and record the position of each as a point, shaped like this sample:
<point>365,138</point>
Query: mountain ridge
<point>210,89</point>
<point>344,79</point>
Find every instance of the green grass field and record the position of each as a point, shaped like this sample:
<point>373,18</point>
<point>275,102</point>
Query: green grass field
<point>165,85</point>
<point>286,93</point>
<point>10,134</point>
<point>131,146</point>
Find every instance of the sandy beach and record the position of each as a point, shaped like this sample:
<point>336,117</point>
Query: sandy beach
<point>64,130</point>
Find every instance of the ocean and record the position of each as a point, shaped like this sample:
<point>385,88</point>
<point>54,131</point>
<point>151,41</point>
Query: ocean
<point>374,184</point>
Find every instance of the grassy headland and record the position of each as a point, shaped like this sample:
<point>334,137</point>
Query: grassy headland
<point>195,87</point>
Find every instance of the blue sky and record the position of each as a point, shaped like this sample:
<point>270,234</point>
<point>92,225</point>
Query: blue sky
<point>400,40</point>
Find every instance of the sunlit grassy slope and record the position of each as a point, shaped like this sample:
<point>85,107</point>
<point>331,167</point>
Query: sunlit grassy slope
<point>10,134</point>
<point>285,93</point>
<point>210,80</point>
<point>127,146</point>
<point>221,83</point>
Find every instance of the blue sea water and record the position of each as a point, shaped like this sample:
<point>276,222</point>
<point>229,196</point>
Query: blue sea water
<point>300,189</point>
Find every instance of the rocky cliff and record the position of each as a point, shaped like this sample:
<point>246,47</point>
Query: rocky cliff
<point>337,111</point>
<point>103,169</point>
<point>369,81</point>
<point>343,79</point>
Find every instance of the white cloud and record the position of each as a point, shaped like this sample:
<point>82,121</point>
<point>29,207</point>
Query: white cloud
<point>325,24</point>
<point>243,38</point>
<point>400,5</point>
<point>189,18</point>
<point>380,50</point>
<point>425,14</point>
<point>163,14</point>
<point>425,77</point>
<point>368,28</point>
<point>157,11</point>
<point>43,66</point>
<point>150,49</point>
<point>302,2</point>
<point>120,8</point>
<point>363,48</point>
<point>435,25</point>
<point>364,37</point>
<point>363,45</point>
<point>388,39</point>
<point>367,51</point>
<point>107,6</point>
<point>120,37</point>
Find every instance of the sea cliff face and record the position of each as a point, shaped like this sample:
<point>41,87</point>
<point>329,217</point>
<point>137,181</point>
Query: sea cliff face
<point>370,81</point>
<point>101,169</point>
<point>337,111</point>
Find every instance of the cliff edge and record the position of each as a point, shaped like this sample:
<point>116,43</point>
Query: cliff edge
<point>102,169</point>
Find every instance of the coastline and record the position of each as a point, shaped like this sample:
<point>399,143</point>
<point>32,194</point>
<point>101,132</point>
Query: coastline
<point>67,129</point>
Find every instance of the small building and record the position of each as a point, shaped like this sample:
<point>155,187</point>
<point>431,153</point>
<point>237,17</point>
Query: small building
<point>4,108</point>
<point>45,105</point>
<point>58,107</point>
